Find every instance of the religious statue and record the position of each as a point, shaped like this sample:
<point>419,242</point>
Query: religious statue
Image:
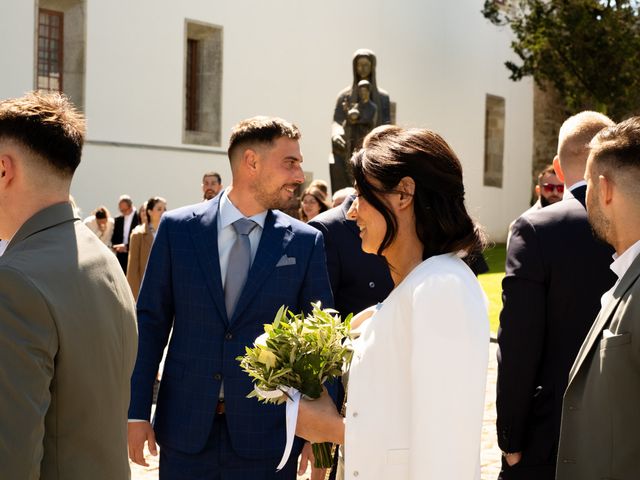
<point>359,108</point>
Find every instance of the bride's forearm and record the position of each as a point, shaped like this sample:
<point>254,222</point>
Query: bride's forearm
<point>319,421</point>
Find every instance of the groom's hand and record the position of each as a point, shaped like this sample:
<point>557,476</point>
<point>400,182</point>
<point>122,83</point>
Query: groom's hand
<point>138,433</point>
<point>307,458</point>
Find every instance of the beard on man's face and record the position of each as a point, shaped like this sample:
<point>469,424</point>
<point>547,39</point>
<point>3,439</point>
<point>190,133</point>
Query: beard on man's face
<point>600,225</point>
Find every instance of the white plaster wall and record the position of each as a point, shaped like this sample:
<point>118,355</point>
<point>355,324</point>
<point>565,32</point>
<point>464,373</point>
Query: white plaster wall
<point>17,51</point>
<point>290,58</point>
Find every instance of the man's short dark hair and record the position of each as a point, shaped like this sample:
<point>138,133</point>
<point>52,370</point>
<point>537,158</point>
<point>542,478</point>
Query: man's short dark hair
<point>212,174</point>
<point>260,130</point>
<point>48,125</point>
<point>615,153</point>
<point>548,170</point>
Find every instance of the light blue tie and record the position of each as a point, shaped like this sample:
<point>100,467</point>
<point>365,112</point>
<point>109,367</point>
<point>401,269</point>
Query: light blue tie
<point>239,263</point>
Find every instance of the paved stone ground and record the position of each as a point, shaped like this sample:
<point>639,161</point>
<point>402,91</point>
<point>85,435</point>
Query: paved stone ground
<point>490,458</point>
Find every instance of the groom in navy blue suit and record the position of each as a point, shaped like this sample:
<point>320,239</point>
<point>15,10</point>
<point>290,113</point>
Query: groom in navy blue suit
<point>204,424</point>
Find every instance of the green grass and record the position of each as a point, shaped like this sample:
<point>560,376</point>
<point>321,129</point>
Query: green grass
<point>492,282</point>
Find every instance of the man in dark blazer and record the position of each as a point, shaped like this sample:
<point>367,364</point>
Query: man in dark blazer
<point>204,424</point>
<point>555,273</point>
<point>122,228</point>
<point>600,434</point>
<point>67,320</point>
<point>358,279</point>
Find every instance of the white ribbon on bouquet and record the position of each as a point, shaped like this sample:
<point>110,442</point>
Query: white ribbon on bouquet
<point>293,402</point>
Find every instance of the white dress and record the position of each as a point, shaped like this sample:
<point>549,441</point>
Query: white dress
<point>417,379</point>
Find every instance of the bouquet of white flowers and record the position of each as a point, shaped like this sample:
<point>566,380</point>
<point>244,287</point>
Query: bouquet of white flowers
<point>294,356</point>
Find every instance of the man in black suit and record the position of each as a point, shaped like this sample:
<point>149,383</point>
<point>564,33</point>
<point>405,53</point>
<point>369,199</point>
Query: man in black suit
<point>358,279</point>
<point>122,228</point>
<point>556,272</point>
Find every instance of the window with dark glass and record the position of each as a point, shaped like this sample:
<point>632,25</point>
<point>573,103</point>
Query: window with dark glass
<point>202,96</point>
<point>50,50</point>
<point>192,85</point>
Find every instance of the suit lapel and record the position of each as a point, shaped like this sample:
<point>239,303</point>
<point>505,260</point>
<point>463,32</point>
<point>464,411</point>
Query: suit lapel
<point>203,227</point>
<point>273,242</point>
<point>605,315</point>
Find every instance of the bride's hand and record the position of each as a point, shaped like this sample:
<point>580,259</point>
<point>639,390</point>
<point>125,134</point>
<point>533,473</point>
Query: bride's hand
<point>365,314</point>
<point>319,420</point>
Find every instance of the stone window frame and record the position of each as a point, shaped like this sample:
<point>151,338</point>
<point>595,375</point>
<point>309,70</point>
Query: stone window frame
<point>49,61</point>
<point>202,87</point>
<point>72,49</point>
<point>494,139</point>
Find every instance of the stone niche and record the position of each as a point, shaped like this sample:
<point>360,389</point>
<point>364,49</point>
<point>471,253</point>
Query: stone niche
<point>73,47</point>
<point>202,84</point>
<point>494,141</point>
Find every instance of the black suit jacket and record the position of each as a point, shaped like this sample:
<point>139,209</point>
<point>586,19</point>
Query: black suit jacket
<point>358,279</point>
<point>556,272</point>
<point>118,237</point>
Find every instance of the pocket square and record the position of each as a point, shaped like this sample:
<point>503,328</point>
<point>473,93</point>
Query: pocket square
<point>608,333</point>
<point>285,261</point>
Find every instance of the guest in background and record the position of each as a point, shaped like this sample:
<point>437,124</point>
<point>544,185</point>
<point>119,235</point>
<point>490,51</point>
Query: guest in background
<point>142,213</point>
<point>141,241</point>
<point>122,228</point>
<point>312,202</point>
<point>341,195</point>
<point>549,190</point>
<point>555,274</point>
<point>321,185</point>
<point>211,185</point>
<point>101,223</point>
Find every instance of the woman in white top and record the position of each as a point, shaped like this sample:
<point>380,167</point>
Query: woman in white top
<point>417,379</point>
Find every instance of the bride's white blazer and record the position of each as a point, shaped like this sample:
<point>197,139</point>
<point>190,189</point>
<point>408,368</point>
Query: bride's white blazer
<point>417,381</point>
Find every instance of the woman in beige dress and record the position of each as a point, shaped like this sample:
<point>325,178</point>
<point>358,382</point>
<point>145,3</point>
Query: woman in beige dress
<point>141,241</point>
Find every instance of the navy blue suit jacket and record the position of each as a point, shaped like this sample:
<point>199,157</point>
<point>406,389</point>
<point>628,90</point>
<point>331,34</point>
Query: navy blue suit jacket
<point>182,288</point>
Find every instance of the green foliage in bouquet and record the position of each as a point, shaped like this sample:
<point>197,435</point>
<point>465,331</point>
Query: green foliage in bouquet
<point>302,353</point>
<point>297,352</point>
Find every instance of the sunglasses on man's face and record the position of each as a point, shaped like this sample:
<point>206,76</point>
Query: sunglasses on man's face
<point>550,187</point>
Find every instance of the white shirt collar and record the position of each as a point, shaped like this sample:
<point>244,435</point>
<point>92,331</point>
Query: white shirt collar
<point>581,183</point>
<point>621,263</point>
<point>229,213</point>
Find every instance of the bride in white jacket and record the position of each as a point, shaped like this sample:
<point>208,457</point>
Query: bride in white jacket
<point>417,380</point>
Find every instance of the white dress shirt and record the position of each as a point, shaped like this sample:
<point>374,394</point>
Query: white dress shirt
<point>128,219</point>
<point>620,265</point>
<point>227,214</point>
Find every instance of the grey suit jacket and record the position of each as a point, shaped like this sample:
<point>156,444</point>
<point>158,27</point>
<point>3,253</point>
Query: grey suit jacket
<point>600,432</point>
<point>67,347</point>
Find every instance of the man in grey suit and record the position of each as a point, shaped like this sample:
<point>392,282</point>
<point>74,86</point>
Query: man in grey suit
<point>67,319</point>
<point>600,432</point>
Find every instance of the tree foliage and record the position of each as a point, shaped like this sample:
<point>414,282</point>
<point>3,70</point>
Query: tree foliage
<point>589,50</point>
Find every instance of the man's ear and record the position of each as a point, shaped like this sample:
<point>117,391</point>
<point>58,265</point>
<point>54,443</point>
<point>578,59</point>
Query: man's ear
<point>537,189</point>
<point>248,161</point>
<point>605,190</point>
<point>406,188</point>
<point>558,168</point>
<point>7,168</point>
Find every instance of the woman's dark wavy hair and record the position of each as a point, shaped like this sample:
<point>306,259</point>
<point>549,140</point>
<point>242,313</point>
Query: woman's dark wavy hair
<point>151,203</point>
<point>391,153</point>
